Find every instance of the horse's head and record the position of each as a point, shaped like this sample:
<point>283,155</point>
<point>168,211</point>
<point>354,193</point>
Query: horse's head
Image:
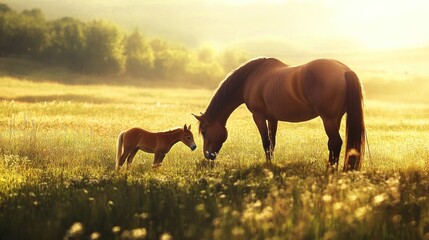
<point>214,135</point>
<point>188,138</point>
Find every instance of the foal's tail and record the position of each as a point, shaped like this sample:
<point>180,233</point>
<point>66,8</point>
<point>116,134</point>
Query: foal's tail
<point>119,148</point>
<point>355,125</point>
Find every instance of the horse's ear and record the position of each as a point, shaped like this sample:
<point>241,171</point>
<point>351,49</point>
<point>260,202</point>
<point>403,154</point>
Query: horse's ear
<point>189,127</point>
<point>197,117</point>
<point>184,127</point>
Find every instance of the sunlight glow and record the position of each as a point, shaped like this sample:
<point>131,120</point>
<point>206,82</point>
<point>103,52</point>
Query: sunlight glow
<point>328,25</point>
<point>385,24</point>
<point>256,1</point>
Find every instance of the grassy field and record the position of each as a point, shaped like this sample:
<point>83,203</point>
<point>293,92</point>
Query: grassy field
<point>57,179</point>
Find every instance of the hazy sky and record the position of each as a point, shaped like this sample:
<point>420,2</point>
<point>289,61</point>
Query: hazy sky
<point>309,25</point>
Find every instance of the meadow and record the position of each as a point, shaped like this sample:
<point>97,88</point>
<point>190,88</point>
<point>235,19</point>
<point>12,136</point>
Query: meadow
<point>57,178</point>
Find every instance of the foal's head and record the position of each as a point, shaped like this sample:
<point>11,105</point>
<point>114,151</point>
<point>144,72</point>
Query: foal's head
<point>188,138</point>
<point>214,135</point>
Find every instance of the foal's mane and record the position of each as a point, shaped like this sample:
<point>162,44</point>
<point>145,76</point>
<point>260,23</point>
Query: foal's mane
<point>173,130</point>
<point>234,82</point>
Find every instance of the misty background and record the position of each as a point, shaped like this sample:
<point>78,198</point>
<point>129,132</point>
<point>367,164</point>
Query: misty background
<point>198,42</point>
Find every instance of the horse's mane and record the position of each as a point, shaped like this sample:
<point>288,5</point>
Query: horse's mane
<point>172,130</point>
<point>231,86</point>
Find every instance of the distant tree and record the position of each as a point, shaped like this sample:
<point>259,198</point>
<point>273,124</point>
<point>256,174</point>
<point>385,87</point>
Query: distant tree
<point>170,61</point>
<point>206,54</point>
<point>231,59</point>
<point>103,49</point>
<point>4,8</point>
<point>139,55</point>
<point>67,43</point>
<point>209,67</point>
<point>159,47</point>
<point>34,13</point>
<point>204,68</point>
<point>24,34</point>
<point>99,47</point>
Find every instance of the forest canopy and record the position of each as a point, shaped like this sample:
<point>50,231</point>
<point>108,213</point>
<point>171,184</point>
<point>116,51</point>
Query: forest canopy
<point>100,47</point>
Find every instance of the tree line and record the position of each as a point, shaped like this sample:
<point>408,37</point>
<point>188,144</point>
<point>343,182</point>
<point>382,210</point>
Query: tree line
<point>100,47</point>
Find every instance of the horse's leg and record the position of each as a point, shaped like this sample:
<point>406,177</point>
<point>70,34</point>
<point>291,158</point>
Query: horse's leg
<point>272,130</point>
<point>123,157</point>
<point>335,142</point>
<point>263,131</point>
<point>159,156</point>
<point>131,156</point>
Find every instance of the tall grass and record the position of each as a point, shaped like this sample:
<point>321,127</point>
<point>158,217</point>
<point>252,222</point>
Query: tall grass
<point>57,179</point>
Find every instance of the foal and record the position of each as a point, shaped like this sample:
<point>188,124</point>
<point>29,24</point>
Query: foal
<point>134,139</point>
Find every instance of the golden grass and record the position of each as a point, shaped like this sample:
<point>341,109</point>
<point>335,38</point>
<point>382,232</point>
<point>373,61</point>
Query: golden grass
<point>57,148</point>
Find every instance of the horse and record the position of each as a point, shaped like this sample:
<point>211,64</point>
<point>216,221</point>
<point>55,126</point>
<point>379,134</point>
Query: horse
<point>160,143</point>
<point>273,91</point>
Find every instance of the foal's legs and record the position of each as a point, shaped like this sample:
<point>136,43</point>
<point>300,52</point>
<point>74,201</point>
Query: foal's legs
<point>261,123</point>
<point>332,127</point>
<point>159,156</point>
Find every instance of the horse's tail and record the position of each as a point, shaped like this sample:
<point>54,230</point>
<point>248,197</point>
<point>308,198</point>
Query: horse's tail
<point>119,148</point>
<point>355,125</point>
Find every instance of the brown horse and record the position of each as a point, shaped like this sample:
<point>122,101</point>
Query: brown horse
<point>274,91</point>
<point>134,139</point>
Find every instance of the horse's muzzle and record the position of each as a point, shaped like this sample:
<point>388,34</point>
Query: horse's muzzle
<point>193,147</point>
<point>210,155</point>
